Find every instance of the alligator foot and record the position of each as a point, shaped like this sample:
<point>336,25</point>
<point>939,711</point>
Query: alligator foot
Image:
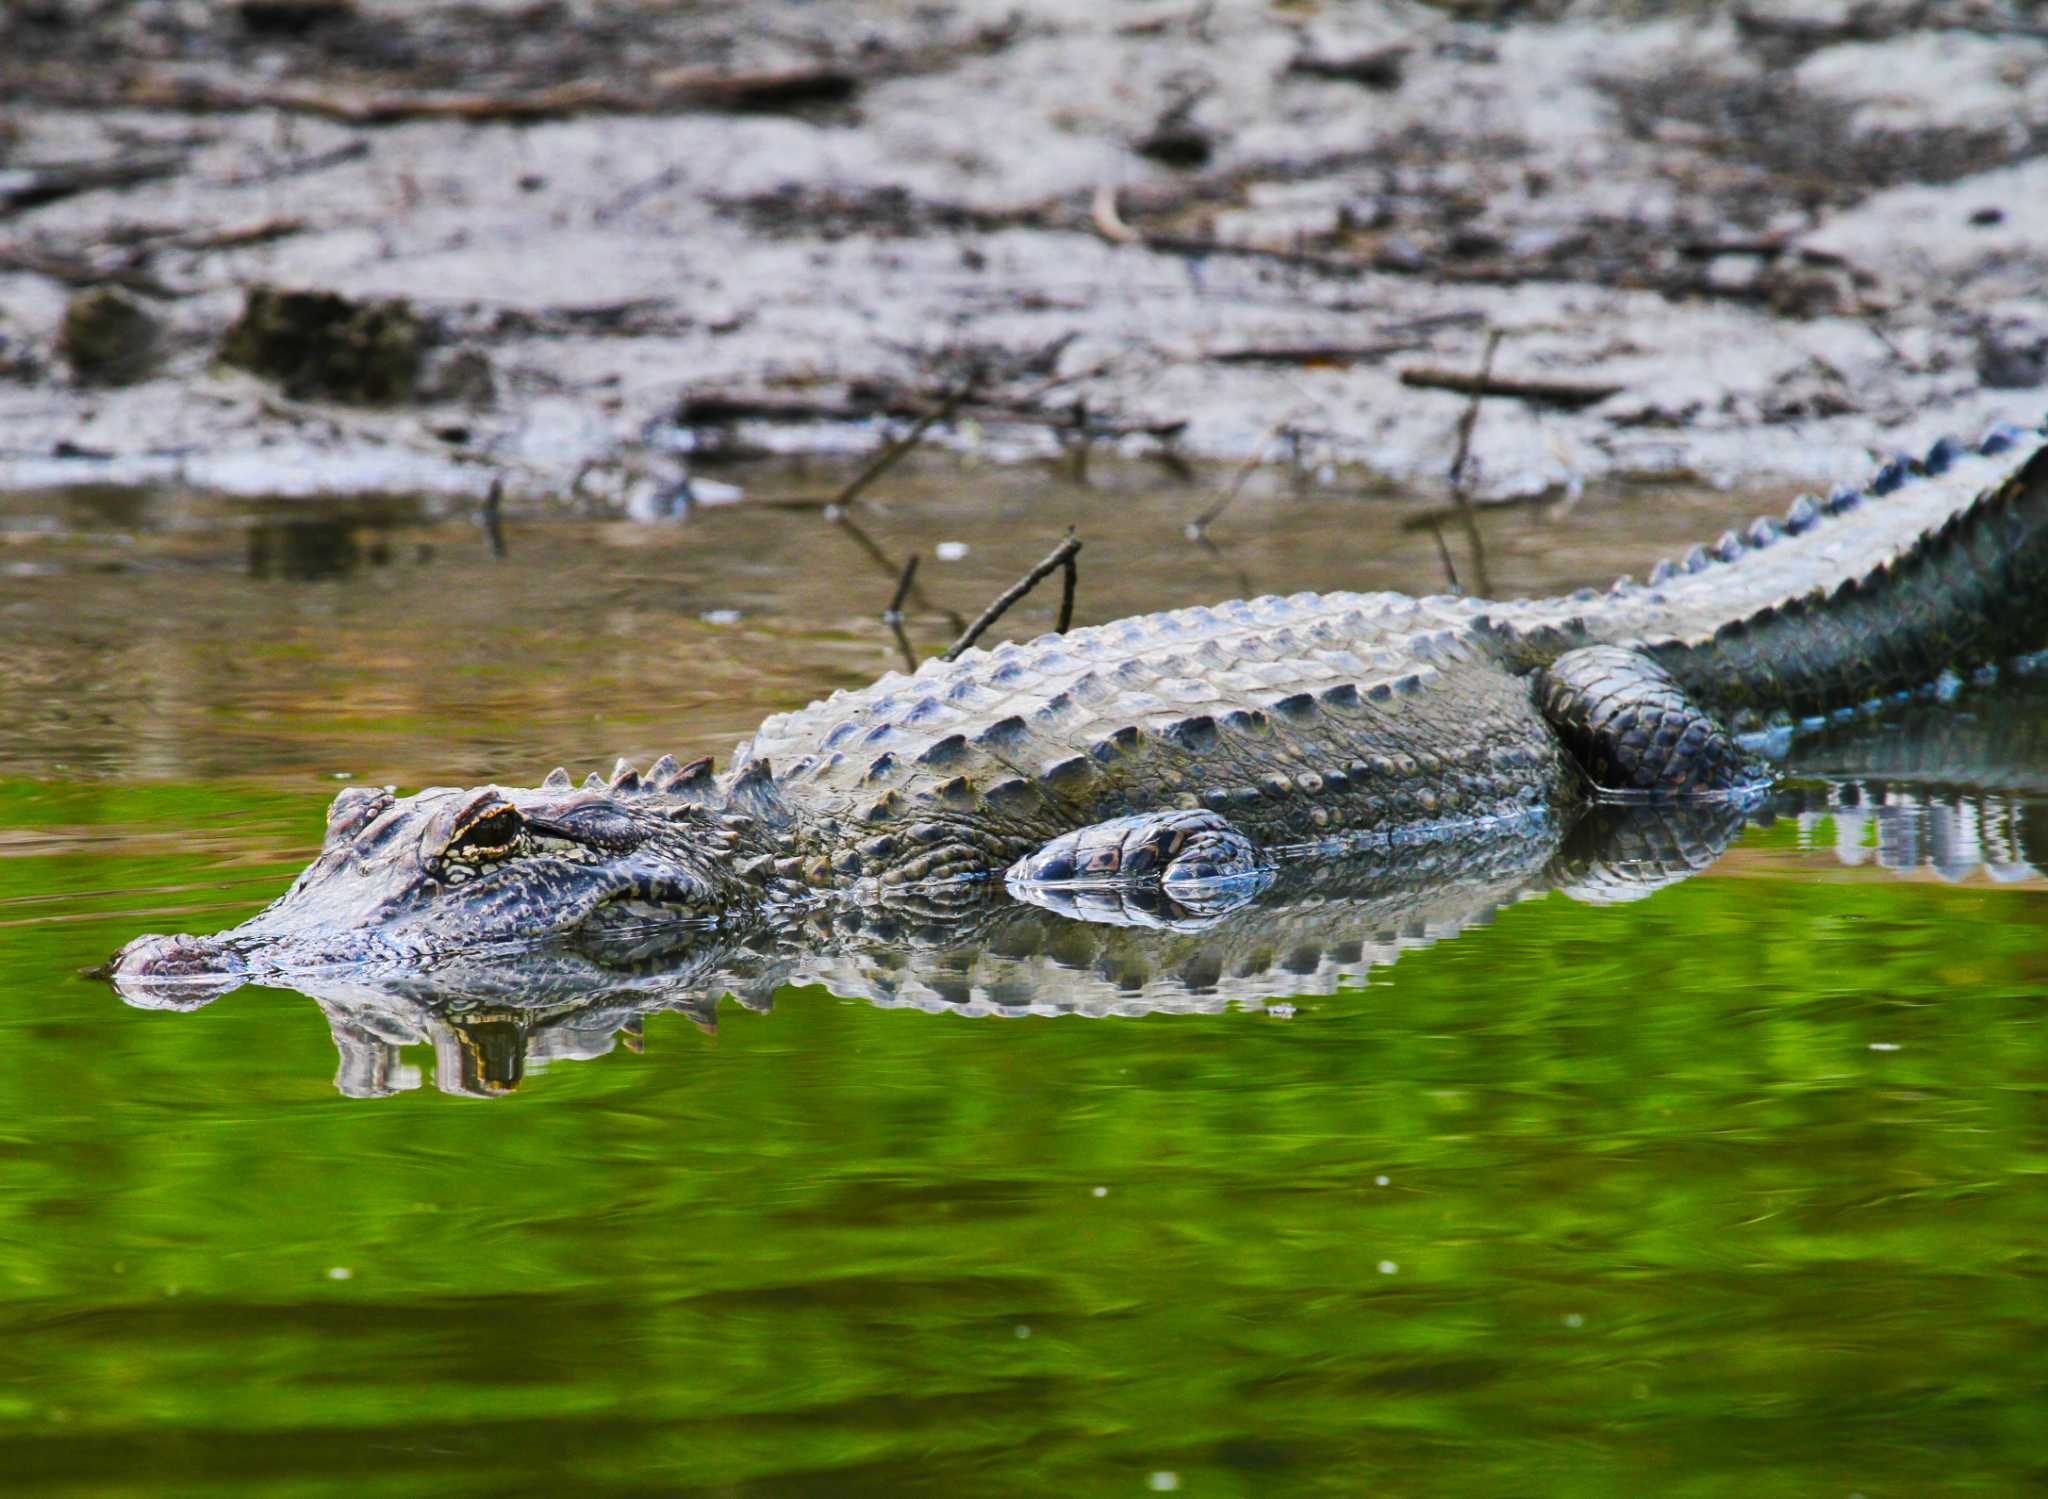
<point>1195,857</point>
<point>1632,728</point>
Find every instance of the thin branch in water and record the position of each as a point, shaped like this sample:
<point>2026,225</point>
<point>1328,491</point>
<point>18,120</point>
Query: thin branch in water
<point>1061,556</point>
<point>1244,578</point>
<point>1201,523</point>
<point>1070,579</point>
<point>893,615</point>
<point>903,643</point>
<point>886,459</point>
<point>1078,443</point>
<point>903,584</point>
<point>493,517</point>
<point>1471,417</point>
<point>880,558</point>
<point>1444,552</point>
<point>1461,490</point>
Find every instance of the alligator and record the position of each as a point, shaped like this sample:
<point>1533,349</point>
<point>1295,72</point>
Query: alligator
<point>1319,925</point>
<point>1322,928</point>
<point>1184,752</point>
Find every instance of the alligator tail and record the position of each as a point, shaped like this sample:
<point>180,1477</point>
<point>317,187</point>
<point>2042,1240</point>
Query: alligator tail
<point>1967,590</point>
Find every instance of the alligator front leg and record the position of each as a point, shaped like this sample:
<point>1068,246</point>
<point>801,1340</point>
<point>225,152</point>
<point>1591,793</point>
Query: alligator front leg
<point>1632,728</point>
<point>1176,849</point>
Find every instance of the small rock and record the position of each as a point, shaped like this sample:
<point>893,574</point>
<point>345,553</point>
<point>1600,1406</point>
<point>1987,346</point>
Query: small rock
<point>317,343</point>
<point>108,338</point>
<point>2012,358</point>
<point>1178,144</point>
<point>1380,69</point>
<point>462,376</point>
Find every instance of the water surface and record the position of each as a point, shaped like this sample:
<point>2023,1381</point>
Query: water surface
<point>1733,1188</point>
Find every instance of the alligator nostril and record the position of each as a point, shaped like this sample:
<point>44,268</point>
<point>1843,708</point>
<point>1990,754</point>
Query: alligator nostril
<point>175,973</point>
<point>176,957</point>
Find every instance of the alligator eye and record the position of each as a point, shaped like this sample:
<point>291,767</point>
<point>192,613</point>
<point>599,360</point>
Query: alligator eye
<point>487,832</point>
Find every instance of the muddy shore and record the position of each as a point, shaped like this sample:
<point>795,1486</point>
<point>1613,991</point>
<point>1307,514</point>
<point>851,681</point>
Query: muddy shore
<point>615,250</point>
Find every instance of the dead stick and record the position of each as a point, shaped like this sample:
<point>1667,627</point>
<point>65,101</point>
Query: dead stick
<point>1541,392</point>
<point>1257,456</point>
<point>1444,552</point>
<point>1471,417</point>
<point>895,610</point>
<point>1069,581</point>
<point>902,643</point>
<point>494,523</point>
<point>867,544</point>
<point>1060,556</point>
<point>1460,491</point>
<point>886,459</point>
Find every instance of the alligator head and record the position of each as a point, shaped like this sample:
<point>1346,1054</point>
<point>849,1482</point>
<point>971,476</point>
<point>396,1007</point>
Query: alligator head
<point>402,880</point>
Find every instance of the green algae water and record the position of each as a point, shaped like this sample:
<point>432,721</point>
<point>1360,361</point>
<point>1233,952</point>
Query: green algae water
<point>1735,1188</point>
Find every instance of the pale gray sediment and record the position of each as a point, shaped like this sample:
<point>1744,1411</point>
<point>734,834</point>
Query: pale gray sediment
<point>1785,238</point>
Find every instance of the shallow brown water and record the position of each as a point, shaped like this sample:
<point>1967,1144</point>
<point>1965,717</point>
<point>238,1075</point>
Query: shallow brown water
<point>179,636</point>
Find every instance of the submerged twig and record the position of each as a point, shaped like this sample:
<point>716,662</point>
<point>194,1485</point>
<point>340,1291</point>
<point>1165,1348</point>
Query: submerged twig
<point>903,586</point>
<point>1061,556</point>
<point>1197,527</point>
<point>493,517</point>
<point>887,458</point>
<point>1461,491</point>
<point>881,559</point>
<point>1471,417</point>
<point>1443,553</point>
<point>903,643</point>
<point>893,615</point>
<point>1243,577</point>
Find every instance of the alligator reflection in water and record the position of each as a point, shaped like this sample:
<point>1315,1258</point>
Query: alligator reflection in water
<point>974,950</point>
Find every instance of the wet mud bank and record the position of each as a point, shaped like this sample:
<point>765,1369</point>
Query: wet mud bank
<point>605,254</point>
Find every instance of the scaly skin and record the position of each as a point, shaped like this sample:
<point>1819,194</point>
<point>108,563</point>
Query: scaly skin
<point>968,949</point>
<point>1323,926</point>
<point>1370,717</point>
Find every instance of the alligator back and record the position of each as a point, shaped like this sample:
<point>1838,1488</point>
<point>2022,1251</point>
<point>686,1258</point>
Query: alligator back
<point>1303,716</point>
<point>1297,718</point>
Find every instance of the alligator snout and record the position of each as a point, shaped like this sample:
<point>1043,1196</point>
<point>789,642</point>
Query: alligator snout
<point>175,973</point>
<point>176,957</point>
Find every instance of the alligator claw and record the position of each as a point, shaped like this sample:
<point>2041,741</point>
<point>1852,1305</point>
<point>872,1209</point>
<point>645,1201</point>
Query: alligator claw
<point>1152,869</point>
